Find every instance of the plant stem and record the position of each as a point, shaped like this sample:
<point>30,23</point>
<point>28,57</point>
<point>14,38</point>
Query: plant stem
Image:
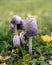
<point>30,45</point>
<point>16,29</point>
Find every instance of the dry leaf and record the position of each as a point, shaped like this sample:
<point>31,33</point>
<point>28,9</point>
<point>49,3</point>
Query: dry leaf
<point>39,26</point>
<point>50,62</point>
<point>6,57</point>
<point>3,64</point>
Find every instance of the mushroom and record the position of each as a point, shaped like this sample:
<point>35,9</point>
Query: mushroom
<point>16,39</point>
<point>19,22</point>
<point>30,27</point>
<point>23,38</point>
<point>31,30</point>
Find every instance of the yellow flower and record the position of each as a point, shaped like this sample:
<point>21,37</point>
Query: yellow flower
<point>46,38</point>
<point>1,58</point>
<point>51,38</point>
<point>13,50</point>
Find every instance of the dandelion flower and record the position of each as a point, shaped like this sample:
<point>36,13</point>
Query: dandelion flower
<point>1,58</point>
<point>51,38</point>
<point>46,38</point>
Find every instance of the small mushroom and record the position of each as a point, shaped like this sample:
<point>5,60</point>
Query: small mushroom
<point>12,27</point>
<point>23,38</point>
<point>16,24</point>
<point>16,20</point>
<point>16,39</point>
<point>19,22</point>
<point>31,30</point>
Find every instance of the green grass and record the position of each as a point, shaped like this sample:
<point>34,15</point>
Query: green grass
<point>23,7</point>
<point>40,8</point>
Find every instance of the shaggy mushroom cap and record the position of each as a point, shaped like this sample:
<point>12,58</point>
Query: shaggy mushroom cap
<point>31,26</point>
<point>23,38</point>
<point>16,19</point>
<point>16,41</point>
<point>19,22</point>
<point>23,25</point>
<point>12,27</point>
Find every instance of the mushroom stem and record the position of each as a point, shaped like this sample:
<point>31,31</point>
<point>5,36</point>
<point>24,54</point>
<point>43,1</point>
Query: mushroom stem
<point>30,45</point>
<point>16,29</point>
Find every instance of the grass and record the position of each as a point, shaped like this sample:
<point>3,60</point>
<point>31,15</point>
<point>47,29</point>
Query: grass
<point>20,7</point>
<point>43,50</point>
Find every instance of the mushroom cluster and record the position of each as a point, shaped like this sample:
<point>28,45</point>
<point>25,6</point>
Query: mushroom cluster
<point>30,27</point>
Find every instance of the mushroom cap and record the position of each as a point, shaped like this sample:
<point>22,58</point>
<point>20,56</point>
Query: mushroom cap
<point>23,38</point>
<point>23,25</point>
<point>16,41</point>
<point>31,26</point>
<point>16,19</point>
<point>12,27</point>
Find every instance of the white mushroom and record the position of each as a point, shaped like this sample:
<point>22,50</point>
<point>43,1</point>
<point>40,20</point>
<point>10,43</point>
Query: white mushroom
<point>29,25</point>
<point>17,23</point>
<point>31,30</point>
<point>16,39</point>
<point>23,25</point>
<point>17,20</point>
